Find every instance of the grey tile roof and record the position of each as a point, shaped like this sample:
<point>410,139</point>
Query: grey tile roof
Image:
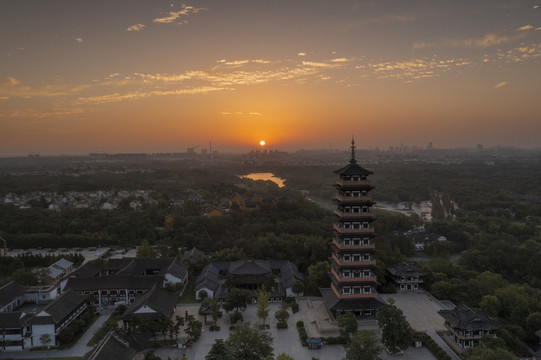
<point>122,281</point>
<point>63,264</point>
<point>59,309</point>
<point>111,348</point>
<point>158,299</point>
<point>466,318</point>
<point>333,303</point>
<point>405,269</point>
<point>9,292</point>
<point>11,320</point>
<point>248,270</point>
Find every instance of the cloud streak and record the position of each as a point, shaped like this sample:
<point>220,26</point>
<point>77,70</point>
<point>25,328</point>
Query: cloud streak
<point>173,16</point>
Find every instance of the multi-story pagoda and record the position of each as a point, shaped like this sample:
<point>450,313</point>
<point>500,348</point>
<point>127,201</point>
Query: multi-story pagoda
<point>353,281</point>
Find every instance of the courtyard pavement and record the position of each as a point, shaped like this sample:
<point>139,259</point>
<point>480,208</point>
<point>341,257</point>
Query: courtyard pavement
<point>420,310</point>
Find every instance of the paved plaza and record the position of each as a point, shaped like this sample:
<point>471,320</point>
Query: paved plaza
<point>420,310</point>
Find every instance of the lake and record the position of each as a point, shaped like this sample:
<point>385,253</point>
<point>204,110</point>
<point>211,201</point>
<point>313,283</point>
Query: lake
<point>265,176</point>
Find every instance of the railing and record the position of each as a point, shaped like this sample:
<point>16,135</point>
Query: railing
<point>352,198</point>
<point>353,215</point>
<point>351,296</point>
<point>353,279</point>
<point>353,183</point>
<point>352,263</point>
<point>353,247</point>
<point>352,231</point>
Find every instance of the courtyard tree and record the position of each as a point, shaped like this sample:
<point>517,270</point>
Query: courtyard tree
<point>219,351</point>
<point>247,342</point>
<point>237,299</point>
<point>347,324</point>
<point>297,287</point>
<point>396,332</point>
<point>364,345</point>
<point>214,310</point>
<point>263,305</point>
<point>282,315</point>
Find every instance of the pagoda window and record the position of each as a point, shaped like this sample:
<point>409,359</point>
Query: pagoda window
<point>365,209</point>
<point>347,241</point>
<point>367,290</point>
<point>355,178</point>
<point>347,258</point>
<point>364,193</point>
<point>366,257</point>
<point>346,274</point>
<point>365,225</point>
<point>366,273</point>
<point>357,290</point>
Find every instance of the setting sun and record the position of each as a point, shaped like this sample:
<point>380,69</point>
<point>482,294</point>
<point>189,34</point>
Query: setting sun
<point>262,143</point>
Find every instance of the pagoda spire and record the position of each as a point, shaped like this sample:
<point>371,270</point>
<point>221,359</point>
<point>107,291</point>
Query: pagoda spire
<point>352,161</point>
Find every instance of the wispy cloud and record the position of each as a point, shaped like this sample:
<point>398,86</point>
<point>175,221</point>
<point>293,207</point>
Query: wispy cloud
<point>480,42</point>
<point>500,85</point>
<point>136,27</point>
<point>173,16</point>
<point>116,97</point>
<point>414,69</point>
<point>79,40</point>
<point>301,54</point>
<point>524,28</point>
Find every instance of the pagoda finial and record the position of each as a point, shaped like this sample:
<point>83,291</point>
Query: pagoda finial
<point>353,161</point>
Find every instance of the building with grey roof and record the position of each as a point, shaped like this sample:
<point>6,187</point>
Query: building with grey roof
<point>156,304</point>
<point>250,275</point>
<point>467,326</point>
<point>406,276</point>
<point>11,296</point>
<point>111,347</point>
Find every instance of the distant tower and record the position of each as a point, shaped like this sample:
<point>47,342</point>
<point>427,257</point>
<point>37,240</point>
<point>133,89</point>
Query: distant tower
<point>353,280</point>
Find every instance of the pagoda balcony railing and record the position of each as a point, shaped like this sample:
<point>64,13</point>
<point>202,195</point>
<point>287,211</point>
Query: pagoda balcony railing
<point>407,281</point>
<point>353,279</point>
<point>353,183</point>
<point>352,231</point>
<point>342,198</point>
<point>462,335</point>
<point>353,247</point>
<point>351,296</point>
<point>352,263</point>
<point>367,215</point>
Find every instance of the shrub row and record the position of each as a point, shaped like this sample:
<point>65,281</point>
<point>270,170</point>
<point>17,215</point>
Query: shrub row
<point>302,332</point>
<point>432,346</point>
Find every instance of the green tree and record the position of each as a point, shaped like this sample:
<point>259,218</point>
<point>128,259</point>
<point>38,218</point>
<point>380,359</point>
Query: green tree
<point>284,356</point>
<point>45,339</point>
<point>347,325</point>
<point>145,250</point>
<point>263,305</point>
<point>364,345</point>
<point>246,342</point>
<point>396,332</point>
<point>219,351</point>
<point>318,276</point>
<point>483,353</point>
<point>491,304</point>
<point>282,315</point>
<point>214,310</point>
<point>194,327</point>
<point>237,299</point>
<point>297,287</point>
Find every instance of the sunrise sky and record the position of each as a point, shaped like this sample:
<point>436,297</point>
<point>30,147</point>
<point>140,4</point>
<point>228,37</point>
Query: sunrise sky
<point>161,76</point>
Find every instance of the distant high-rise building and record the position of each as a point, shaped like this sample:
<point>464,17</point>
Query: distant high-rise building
<point>353,281</point>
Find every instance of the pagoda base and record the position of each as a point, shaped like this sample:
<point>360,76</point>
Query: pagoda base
<point>363,308</point>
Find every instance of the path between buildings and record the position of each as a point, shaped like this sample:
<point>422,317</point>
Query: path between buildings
<point>79,349</point>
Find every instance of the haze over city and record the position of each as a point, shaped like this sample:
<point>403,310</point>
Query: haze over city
<point>160,76</point>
